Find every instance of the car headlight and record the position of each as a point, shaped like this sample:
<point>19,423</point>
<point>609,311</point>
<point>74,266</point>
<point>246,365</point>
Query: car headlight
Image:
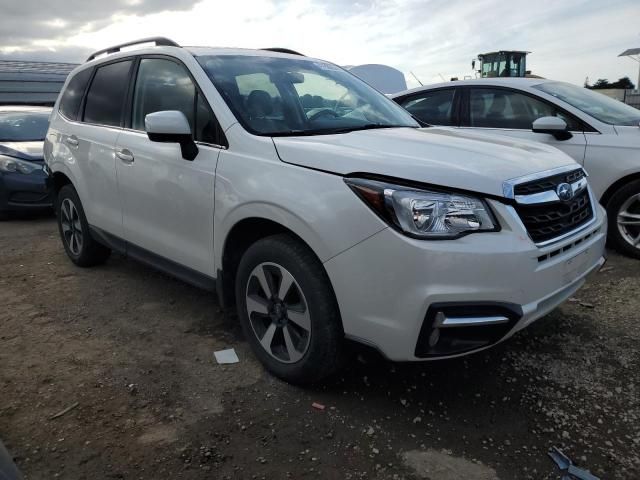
<point>14,165</point>
<point>425,214</point>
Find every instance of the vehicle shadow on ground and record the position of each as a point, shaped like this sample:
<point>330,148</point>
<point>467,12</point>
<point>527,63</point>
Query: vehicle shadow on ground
<point>46,213</point>
<point>444,378</point>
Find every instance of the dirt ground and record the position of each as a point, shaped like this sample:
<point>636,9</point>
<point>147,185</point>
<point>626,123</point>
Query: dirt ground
<point>134,350</point>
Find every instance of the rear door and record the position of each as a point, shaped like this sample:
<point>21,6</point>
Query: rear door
<point>168,201</point>
<point>91,141</point>
<point>509,112</point>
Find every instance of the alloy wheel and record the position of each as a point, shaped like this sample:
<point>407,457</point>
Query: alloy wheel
<point>629,220</point>
<point>278,312</point>
<point>71,226</point>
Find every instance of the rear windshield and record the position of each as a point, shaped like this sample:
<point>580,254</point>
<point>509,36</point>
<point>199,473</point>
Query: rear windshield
<point>599,106</point>
<point>279,96</point>
<point>23,126</point>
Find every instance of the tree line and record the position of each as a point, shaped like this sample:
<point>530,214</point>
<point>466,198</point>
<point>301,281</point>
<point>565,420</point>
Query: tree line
<point>603,83</point>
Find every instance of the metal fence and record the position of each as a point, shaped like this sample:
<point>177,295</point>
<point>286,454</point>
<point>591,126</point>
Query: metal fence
<point>632,97</point>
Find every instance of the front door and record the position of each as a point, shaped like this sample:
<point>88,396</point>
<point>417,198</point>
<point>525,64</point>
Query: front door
<point>168,201</point>
<point>508,112</point>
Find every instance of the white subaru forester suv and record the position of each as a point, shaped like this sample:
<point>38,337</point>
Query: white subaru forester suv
<point>315,204</point>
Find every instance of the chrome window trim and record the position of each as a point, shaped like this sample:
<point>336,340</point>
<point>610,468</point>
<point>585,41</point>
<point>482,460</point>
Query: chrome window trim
<point>508,186</point>
<point>504,129</point>
<point>214,145</point>
<point>197,142</point>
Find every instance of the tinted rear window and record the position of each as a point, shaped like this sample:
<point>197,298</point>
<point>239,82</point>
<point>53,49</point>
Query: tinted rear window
<point>72,96</point>
<point>105,98</point>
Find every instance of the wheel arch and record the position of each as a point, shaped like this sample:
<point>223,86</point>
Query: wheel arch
<point>615,186</point>
<point>241,236</point>
<point>60,176</point>
<point>59,180</point>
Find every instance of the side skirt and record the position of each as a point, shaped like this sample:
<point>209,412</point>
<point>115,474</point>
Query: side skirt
<point>158,262</point>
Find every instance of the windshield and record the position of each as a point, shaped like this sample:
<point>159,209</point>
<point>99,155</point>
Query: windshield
<point>23,126</point>
<point>597,105</point>
<point>283,96</point>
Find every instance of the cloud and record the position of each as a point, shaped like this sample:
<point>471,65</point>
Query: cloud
<point>29,23</point>
<point>69,54</point>
<point>433,38</point>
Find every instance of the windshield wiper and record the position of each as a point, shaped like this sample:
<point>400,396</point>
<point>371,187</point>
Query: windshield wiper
<point>420,122</point>
<point>336,130</point>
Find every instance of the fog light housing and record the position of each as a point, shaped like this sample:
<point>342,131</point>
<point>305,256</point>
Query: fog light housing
<point>456,328</point>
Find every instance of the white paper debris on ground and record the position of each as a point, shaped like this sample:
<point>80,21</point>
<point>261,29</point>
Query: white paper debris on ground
<point>226,356</point>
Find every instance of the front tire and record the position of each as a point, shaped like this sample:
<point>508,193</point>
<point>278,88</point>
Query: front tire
<point>288,310</point>
<point>624,219</point>
<point>81,248</point>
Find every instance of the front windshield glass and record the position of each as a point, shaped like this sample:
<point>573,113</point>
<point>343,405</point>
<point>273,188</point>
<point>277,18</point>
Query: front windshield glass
<point>599,106</point>
<point>23,126</point>
<point>278,96</point>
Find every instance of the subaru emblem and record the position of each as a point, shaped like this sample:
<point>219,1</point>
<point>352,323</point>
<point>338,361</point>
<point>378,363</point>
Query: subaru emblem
<point>565,192</point>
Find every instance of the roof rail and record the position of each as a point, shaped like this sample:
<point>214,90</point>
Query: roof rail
<point>283,50</point>
<point>159,41</point>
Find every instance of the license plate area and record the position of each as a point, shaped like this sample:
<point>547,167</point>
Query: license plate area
<point>576,266</point>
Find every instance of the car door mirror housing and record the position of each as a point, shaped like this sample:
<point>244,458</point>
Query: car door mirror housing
<point>553,126</point>
<point>171,126</point>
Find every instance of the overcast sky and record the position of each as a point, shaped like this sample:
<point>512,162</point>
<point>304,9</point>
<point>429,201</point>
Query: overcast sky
<point>570,39</point>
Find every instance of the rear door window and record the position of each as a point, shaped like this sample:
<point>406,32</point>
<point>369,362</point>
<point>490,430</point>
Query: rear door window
<point>105,98</point>
<point>434,107</point>
<point>72,96</point>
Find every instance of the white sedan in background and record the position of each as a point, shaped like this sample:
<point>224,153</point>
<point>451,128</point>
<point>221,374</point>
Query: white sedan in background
<point>600,133</point>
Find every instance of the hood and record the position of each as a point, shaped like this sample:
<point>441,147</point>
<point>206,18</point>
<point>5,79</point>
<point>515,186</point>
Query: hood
<point>30,151</point>
<point>446,157</point>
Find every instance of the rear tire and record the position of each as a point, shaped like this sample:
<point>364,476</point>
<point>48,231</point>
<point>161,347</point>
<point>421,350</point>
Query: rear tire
<point>623,210</point>
<point>76,238</point>
<point>294,328</point>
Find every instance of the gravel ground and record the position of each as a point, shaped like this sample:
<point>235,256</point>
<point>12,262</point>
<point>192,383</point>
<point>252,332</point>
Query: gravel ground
<point>131,351</point>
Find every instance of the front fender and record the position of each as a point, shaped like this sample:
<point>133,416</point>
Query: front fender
<point>276,214</point>
<point>317,206</point>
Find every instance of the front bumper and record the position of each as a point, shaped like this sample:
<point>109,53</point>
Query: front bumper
<point>386,284</point>
<point>24,192</point>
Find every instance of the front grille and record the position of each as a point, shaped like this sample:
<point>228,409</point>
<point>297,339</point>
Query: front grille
<point>549,183</point>
<point>551,220</point>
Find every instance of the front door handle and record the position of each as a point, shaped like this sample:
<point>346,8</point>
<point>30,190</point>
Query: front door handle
<point>125,155</point>
<point>72,141</point>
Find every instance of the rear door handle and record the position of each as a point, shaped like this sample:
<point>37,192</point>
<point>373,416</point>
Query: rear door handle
<point>125,155</point>
<point>72,141</point>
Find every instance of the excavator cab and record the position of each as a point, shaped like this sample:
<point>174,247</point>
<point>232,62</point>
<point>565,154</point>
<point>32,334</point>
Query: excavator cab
<point>504,63</point>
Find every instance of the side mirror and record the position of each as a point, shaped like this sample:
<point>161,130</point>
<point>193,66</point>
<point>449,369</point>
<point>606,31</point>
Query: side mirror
<point>553,126</point>
<point>171,126</point>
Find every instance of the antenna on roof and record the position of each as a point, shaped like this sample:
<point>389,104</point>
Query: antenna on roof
<point>417,79</point>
